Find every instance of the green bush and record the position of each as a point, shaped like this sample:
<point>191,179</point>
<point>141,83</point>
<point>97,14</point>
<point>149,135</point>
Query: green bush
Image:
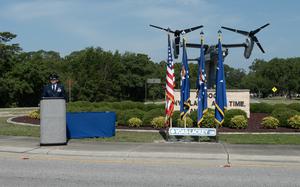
<point>238,122</point>
<point>148,107</point>
<point>80,103</point>
<point>134,122</point>
<point>270,122</point>
<point>189,122</point>
<point>158,122</point>
<point>34,114</point>
<point>283,114</point>
<point>194,116</point>
<point>294,122</point>
<point>106,105</point>
<point>132,113</point>
<point>280,105</point>
<point>209,120</point>
<point>74,107</point>
<point>294,106</point>
<point>229,114</point>
<point>152,114</point>
<point>261,108</point>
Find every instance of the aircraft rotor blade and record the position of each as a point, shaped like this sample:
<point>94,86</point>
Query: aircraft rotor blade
<point>191,29</point>
<point>258,44</point>
<point>237,31</point>
<point>257,30</point>
<point>168,30</point>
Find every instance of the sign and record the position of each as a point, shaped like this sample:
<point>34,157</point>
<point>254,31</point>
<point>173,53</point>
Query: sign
<point>192,131</point>
<point>236,99</point>
<point>274,89</point>
<point>153,81</point>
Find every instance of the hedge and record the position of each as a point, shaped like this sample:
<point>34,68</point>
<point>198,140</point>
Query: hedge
<point>294,106</point>
<point>283,114</point>
<point>229,114</point>
<point>261,108</point>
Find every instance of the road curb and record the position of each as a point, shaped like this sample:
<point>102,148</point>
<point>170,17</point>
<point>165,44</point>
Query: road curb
<point>9,120</point>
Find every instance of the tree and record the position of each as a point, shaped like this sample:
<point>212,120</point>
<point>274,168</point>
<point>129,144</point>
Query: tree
<point>233,77</point>
<point>27,78</point>
<point>8,58</point>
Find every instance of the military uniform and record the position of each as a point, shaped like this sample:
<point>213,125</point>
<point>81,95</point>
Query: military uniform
<point>54,90</point>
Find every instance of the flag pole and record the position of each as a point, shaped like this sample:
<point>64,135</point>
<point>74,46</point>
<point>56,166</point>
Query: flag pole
<point>184,119</point>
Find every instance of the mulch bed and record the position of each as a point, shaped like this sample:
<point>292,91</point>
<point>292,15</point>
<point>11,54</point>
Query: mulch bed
<point>253,124</point>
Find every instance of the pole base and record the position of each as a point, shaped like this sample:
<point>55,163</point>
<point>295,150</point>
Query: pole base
<point>53,144</point>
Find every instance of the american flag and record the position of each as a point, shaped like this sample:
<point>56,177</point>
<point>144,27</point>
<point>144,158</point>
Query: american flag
<point>170,84</point>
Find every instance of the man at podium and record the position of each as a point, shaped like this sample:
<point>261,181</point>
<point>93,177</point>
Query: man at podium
<point>54,89</point>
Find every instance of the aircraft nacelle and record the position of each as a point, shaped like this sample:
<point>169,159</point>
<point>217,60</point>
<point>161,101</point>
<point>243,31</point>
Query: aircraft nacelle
<point>248,47</point>
<point>176,46</point>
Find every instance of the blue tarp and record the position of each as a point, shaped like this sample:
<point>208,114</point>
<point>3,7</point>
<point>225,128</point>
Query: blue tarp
<point>90,124</point>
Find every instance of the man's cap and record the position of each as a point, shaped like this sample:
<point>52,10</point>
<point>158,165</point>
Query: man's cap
<point>53,77</point>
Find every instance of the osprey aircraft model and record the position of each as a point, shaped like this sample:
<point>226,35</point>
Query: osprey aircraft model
<point>248,45</point>
<point>211,51</point>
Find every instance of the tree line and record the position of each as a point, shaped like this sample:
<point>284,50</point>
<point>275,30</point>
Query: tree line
<point>93,74</point>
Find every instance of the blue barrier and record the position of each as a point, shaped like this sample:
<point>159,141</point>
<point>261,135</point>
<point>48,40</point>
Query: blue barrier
<point>90,124</point>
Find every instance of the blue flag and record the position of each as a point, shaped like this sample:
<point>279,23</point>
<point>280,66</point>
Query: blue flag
<point>185,85</point>
<point>201,86</point>
<point>221,100</point>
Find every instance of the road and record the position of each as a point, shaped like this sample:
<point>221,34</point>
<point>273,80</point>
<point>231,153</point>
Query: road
<point>57,170</point>
<point>24,163</point>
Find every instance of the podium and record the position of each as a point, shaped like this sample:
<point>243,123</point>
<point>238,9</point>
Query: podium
<point>53,121</point>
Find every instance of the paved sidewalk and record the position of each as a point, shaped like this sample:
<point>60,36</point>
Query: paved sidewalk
<point>216,152</point>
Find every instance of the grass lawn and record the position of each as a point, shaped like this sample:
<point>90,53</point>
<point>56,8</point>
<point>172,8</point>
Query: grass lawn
<point>260,138</point>
<point>19,130</point>
<point>278,100</point>
<point>146,137</point>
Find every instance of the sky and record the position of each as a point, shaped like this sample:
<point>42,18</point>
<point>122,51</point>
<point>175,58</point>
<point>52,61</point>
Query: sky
<point>71,25</point>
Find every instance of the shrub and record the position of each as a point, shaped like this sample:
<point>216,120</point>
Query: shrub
<point>34,114</point>
<point>158,122</point>
<point>121,117</point>
<point>132,113</point>
<point>208,120</point>
<point>106,105</point>
<point>132,105</point>
<point>189,122</point>
<point>80,103</point>
<point>229,114</point>
<point>194,116</point>
<point>152,114</point>
<point>283,114</point>
<point>134,122</point>
<point>261,108</point>
<point>294,122</point>
<point>239,122</point>
<point>148,107</point>
<point>270,122</point>
<point>294,106</point>
<point>280,105</point>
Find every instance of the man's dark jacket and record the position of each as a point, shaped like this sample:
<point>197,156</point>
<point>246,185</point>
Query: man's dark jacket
<point>58,92</point>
